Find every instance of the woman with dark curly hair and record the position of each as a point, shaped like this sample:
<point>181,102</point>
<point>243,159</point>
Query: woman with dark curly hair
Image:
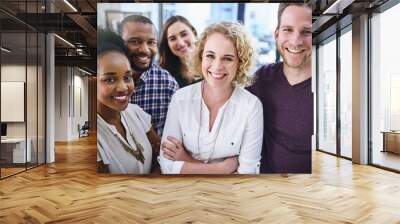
<point>215,126</point>
<point>126,142</point>
<point>176,46</point>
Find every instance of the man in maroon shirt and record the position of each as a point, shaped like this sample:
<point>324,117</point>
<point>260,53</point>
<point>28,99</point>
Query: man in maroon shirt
<point>285,90</point>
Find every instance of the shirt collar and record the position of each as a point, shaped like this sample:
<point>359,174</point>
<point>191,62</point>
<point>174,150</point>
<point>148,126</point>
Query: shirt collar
<point>112,128</point>
<point>198,95</point>
<point>106,125</point>
<point>146,73</point>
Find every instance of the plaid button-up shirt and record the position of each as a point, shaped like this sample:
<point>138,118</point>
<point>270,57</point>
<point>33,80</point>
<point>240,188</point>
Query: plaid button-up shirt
<point>153,92</point>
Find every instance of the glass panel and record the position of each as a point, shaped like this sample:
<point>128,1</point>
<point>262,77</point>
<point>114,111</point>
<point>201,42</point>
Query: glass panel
<point>22,68</point>
<point>41,99</point>
<point>31,98</point>
<point>346,94</point>
<point>32,87</point>
<point>327,97</point>
<point>385,85</point>
<point>13,85</point>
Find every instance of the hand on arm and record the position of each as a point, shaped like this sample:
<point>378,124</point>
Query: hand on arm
<point>227,166</point>
<point>175,151</point>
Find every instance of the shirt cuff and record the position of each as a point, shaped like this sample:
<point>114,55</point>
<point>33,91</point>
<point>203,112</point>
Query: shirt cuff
<point>170,167</point>
<point>177,167</point>
<point>248,167</point>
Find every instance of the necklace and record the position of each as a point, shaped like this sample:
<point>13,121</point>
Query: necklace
<point>137,150</point>
<point>219,125</point>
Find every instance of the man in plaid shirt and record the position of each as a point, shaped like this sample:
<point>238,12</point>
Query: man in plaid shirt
<point>154,86</point>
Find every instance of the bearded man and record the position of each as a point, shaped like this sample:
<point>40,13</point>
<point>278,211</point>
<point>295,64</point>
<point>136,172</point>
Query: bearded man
<point>154,86</point>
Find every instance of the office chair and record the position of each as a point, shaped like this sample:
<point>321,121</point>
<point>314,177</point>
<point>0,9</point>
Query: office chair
<point>84,130</point>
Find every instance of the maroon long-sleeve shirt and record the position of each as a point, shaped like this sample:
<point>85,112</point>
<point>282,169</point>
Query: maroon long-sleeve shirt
<point>288,121</point>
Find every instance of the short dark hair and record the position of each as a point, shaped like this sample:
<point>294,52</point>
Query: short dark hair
<point>168,60</point>
<point>110,41</point>
<point>283,6</point>
<point>134,19</point>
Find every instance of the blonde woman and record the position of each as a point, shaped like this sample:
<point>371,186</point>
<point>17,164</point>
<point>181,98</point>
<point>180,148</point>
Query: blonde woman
<point>215,126</point>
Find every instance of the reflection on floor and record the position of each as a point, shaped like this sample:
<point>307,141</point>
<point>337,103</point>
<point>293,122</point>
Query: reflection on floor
<point>346,152</point>
<point>10,169</point>
<point>386,159</point>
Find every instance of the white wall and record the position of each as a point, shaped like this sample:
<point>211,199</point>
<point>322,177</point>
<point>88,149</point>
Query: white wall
<point>80,109</point>
<point>14,73</point>
<point>33,126</point>
<point>17,73</point>
<point>71,94</point>
<point>61,104</point>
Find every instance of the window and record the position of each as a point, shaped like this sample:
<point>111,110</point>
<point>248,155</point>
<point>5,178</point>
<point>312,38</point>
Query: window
<point>259,19</point>
<point>327,96</point>
<point>385,88</point>
<point>346,94</point>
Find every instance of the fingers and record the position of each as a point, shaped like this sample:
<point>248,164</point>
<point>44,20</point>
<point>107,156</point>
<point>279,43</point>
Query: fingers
<point>168,145</point>
<point>231,164</point>
<point>231,160</point>
<point>173,149</point>
<point>175,141</point>
<point>169,150</point>
<point>234,158</point>
<point>169,157</point>
<point>168,153</point>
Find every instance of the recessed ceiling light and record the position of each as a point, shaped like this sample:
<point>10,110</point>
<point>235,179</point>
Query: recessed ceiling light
<point>70,5</point>
<point>64,40</point>
<point>84,71</point>
<point>337,7</point>
<point>5,50</point>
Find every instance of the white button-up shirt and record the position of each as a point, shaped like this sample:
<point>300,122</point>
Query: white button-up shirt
<point>110,143</point>
<point>237,130</point>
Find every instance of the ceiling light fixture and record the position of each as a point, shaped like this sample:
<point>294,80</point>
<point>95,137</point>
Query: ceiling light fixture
<point>337,7</point>
<point>84,71</point>
<point>70,5</point>
<point>79,51</point>
<point>5,49</point>
<point>65,41</point>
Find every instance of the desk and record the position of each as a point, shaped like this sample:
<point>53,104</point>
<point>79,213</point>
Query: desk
<point>391,141</point>
<point>15,148</point>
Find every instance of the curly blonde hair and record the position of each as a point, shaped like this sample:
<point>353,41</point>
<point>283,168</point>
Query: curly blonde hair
<point>235,32</point>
